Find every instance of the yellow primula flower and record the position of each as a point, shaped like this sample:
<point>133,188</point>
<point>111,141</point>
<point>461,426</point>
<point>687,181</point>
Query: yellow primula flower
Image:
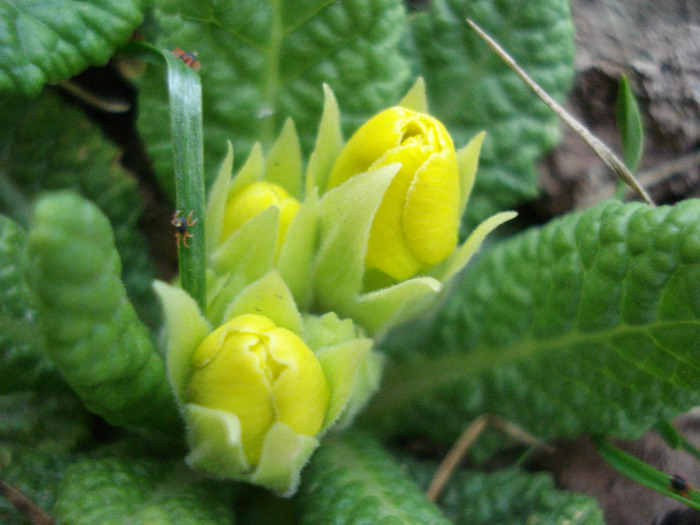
<point>253,199</point>
<point>417,222</point>
<point>263,374</point>
<point>256,398</point>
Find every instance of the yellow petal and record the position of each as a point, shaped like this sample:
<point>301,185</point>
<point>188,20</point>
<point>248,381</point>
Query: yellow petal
<point>301,394</point>
<point>375,137</point>
<point>387,249</point>
<point>431,213</point>
<point>252,200</point>
<point>417,222</point>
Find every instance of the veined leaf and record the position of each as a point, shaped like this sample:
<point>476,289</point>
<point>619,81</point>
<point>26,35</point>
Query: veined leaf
<point>46,41</point>
<point>36,474</point>
<point>90,330</point>
<point>470,89</point>
<point>262,62</point>
<point>352,480</point>
<point>589,324</point>
<point>42,421</point>
<point>113,491</point>
<point>47,145</point>
<point>510,496</point>
<point>22,363</point>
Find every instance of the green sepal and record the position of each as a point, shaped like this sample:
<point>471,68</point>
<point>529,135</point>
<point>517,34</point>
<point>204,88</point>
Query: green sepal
<point>329,142</point>
<point>245,257</point>
<point>367,377</point>
<point>340,364</point>
<point>251,247</point>
<point>216,203</point>
<point>269,296</point>
<point>295,262</point>
<point>461,256</point>
<point>415,99</point>
<point>251,171</point>
<point>253,241</point>
<point>346,217</point>
<point>186,329</point>
<point>284,455</point>
<point>351,368</point>
<point>467,163</point>
<point>283,164</point>
<point>379,310</point>
<point>217,449</point>
<point>215,441</point>
<point>328,330</point>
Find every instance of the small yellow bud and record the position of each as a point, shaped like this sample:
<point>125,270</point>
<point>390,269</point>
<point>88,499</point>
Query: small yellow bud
<point>262,373</point>
<point>254,199</point>
<point>417,221</point>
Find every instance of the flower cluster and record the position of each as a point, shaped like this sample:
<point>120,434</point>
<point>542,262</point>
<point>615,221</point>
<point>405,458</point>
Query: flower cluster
<point>365,238</point>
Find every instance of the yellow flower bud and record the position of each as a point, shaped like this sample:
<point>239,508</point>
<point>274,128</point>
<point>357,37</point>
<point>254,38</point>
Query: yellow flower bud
<point>254,199</point>
<point>263,374</point>
<point>417,221</point>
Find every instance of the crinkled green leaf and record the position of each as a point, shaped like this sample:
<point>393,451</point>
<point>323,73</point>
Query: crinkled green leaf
<point>352,480</point>
<point>90,330</point>
<point>262,62</point>
<point>34,473</point>
<point>589,324</point>
<point>46,41</point>
<point>42,421</point>
<point>510,496</point>
<point>22,363</point>
<point>113,491</point>
<point>470,89</point>
<point>47,145</point>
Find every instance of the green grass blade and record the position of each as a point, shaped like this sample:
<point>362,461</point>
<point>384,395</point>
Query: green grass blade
<point>629,124</point>
<point>644,473</point>
<point>185,91</point>
<point>185,102</point>
<point>676,440</point>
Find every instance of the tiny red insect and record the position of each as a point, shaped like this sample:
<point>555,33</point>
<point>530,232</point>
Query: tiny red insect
<point>680,484</point>
<point>188,57</point>
<point>182,226</point>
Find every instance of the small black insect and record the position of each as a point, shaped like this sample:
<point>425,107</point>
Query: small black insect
<point>680,485</point>
<point>182,226</point>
